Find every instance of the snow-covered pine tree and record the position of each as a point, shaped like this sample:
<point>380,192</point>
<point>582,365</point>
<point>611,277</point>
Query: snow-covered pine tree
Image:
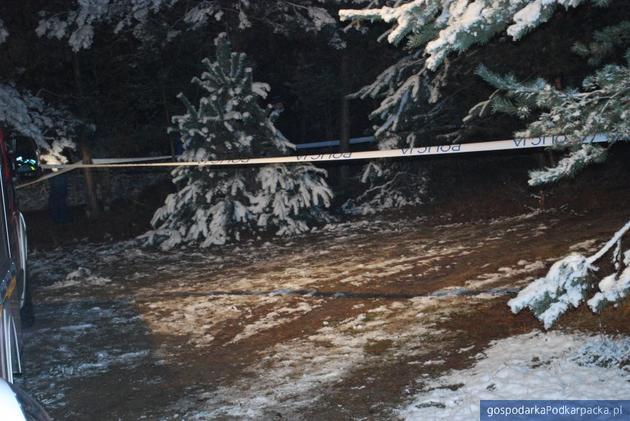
<point>391,184</point>
<point>214,206</point>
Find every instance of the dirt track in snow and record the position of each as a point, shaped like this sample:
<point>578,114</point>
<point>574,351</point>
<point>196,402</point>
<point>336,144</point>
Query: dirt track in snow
<point>345,323</point>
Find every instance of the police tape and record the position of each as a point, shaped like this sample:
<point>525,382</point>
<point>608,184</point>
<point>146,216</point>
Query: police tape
<point>435,150</point>
<point>498,145</point>
<point>45,177</point>
<point>64,168</point>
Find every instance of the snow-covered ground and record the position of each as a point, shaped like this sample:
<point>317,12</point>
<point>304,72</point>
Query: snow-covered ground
<point>543,366</point>
<point>367,319</point>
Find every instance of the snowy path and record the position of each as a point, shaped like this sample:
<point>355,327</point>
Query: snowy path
<point>355,321</point>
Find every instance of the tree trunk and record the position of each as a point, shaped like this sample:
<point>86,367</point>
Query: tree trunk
<point>167,117</point>
<point>93,208</point>
<point>344,117</point>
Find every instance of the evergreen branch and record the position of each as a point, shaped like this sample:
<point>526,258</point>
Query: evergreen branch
<point>604,43</point>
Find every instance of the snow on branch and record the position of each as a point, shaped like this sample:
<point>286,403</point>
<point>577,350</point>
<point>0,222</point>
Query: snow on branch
<point>571,164</point>
<point>571,279</point>
<point>391,185</point>
<point>4,34</point>
<point>406,17</point>
<point>30,116</point>
<point>77,24</point>
<point>601,106</point>
<point>456,25</point>
<point>604,43</point>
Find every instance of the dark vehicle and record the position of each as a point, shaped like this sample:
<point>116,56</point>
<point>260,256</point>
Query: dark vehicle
<point>15,300</point>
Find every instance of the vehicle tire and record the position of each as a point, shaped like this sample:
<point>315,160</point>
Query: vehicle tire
<point>27,313</point>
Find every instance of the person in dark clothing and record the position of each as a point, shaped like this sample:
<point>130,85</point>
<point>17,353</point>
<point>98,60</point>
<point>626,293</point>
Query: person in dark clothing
<point>57,197</point>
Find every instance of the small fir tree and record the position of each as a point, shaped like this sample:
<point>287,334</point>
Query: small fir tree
<point>214,206</point>
<point>389,183</point>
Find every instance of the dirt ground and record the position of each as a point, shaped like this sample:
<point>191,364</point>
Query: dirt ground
<point>345,323</point>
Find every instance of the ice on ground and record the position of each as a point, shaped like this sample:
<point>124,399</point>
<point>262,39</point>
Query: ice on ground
<point>434,362</point>
<point>103,361</point>
<point>450,292</point>
<point>81,277</point>
<point>65,336</point>
<point>536,365</point>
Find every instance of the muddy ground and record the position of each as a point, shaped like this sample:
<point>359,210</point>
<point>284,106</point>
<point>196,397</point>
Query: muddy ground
<point>346,323</point>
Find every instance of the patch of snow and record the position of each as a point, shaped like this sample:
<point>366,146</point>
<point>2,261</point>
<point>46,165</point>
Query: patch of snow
<point>288,375</point>
<point>466,349</point>
<point>536,365</point>
<point>434,362</point>
<point>585,246</point>
<point>82,277</point>
<point>197,317</point>
<point>273,319</point>
<point>502,273</point>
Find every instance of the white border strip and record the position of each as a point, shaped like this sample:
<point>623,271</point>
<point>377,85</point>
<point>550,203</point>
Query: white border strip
<point>499,145</point>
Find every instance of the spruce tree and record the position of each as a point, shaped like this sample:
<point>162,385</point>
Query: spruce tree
<point>213,206</point>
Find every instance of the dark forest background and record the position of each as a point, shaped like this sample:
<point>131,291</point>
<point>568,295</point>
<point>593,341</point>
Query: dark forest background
<point>126,89</point>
